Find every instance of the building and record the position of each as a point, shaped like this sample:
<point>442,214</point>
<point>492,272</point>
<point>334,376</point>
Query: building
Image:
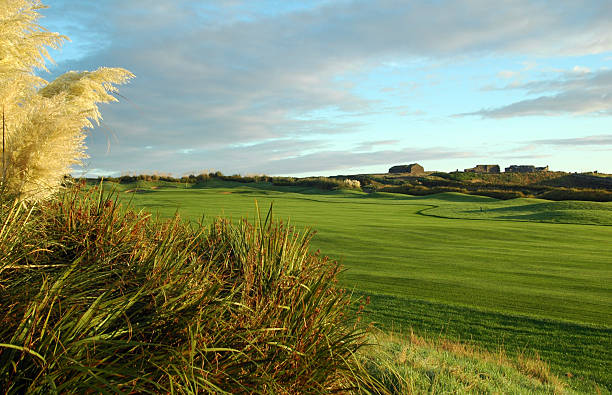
<point>484,169</point>
<point>414,169</point>
<point>525,169</point>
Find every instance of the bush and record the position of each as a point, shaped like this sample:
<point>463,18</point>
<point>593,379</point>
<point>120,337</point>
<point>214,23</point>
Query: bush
<point>595,195</point>
<point>96,298</point>
<point>420,190</point>
<point>352,184</point>
<point>314,182</point>
<point>499,194</point>
<point>441,175</point>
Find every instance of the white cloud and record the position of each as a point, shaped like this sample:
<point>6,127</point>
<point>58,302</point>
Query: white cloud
<point>507,74</point>
<point>213,74</point>
<point>598,141</point>
<point>573,94</point>
<point>581,69</point>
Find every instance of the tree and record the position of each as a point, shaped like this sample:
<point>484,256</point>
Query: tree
<point>44,123</point>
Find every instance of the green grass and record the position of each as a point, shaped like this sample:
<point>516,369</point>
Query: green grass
<point>505,279</point>
<point>535,210</point>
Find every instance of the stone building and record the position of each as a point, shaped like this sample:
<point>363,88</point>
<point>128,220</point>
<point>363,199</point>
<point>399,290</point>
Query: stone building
<point>525,169</point>
<point>484,169</point>
<point>414,169</point>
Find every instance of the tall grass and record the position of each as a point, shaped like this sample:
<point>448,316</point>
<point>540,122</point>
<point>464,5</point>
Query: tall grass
<point>98,298</point>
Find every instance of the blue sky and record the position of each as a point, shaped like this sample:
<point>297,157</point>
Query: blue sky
<point>339,87</point>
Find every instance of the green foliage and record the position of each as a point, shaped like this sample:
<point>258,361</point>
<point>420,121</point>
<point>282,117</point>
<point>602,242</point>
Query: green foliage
<point>594,195</point>
<point>421,190</point>
<point>441,175</point>
<point>43,123</point>
<point>96,298</point>
<point>505,186</point>
<point>323,183</point>
<point>544,185</point>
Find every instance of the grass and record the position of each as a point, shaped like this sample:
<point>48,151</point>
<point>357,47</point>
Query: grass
<point>496,281</point>
<point>97,299</point>
<point>411,364</point>
<point>578,351</point>
<point>534,210</point>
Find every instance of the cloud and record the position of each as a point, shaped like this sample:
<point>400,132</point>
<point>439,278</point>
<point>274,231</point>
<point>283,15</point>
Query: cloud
<point>525,156</point>
<point>95,172</point>
<point>368,145</point>
<point>574,93</point>
<point>412,113</point>
<point>508,74</point>
<point>599,140</point>
<point>343,160</point>
<point>211,75</point>
<point>581,69</point>
<point>277,157</point>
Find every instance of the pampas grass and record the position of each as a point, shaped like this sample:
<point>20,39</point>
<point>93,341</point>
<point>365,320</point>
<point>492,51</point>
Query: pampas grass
<point>43,123</point>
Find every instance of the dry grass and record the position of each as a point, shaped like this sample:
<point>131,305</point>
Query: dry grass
<point>413,364</point>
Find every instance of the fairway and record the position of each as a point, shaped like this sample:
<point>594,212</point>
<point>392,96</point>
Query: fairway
<point>467,267</point>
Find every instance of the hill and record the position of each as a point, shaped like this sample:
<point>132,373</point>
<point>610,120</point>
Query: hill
<point>544,185</point>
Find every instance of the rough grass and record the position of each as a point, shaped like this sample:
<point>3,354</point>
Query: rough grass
<point>411,364</point>
<point>496,282</point>
<point>97,299</point>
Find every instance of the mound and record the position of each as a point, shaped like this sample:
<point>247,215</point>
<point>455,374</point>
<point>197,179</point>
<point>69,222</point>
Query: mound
<point>536,210</point>
<point>413,365</point>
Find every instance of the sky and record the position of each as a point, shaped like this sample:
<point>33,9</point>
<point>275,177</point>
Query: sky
<point>327,87</point>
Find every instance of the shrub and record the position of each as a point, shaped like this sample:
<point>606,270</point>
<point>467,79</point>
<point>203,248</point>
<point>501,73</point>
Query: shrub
<point>96,298</point>
<point>595,195</point>
<point>499,194</point>
<point>352,184</point>
<point>420,190</point>
<point>441,175</point>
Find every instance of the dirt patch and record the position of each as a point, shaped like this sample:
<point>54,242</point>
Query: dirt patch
<point>225,193</point>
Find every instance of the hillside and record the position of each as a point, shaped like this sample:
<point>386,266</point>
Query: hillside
<point>535,210</point>
<point>543,185</point>
<point>410,364</point>
<point>549,185</point>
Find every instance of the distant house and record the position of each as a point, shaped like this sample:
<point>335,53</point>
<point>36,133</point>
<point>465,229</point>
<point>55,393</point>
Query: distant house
<point>525,169</point>
<point>484,169</point>
<point>414,169</point>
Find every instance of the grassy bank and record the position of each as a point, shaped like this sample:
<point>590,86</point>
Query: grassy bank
<point>411,364</point>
